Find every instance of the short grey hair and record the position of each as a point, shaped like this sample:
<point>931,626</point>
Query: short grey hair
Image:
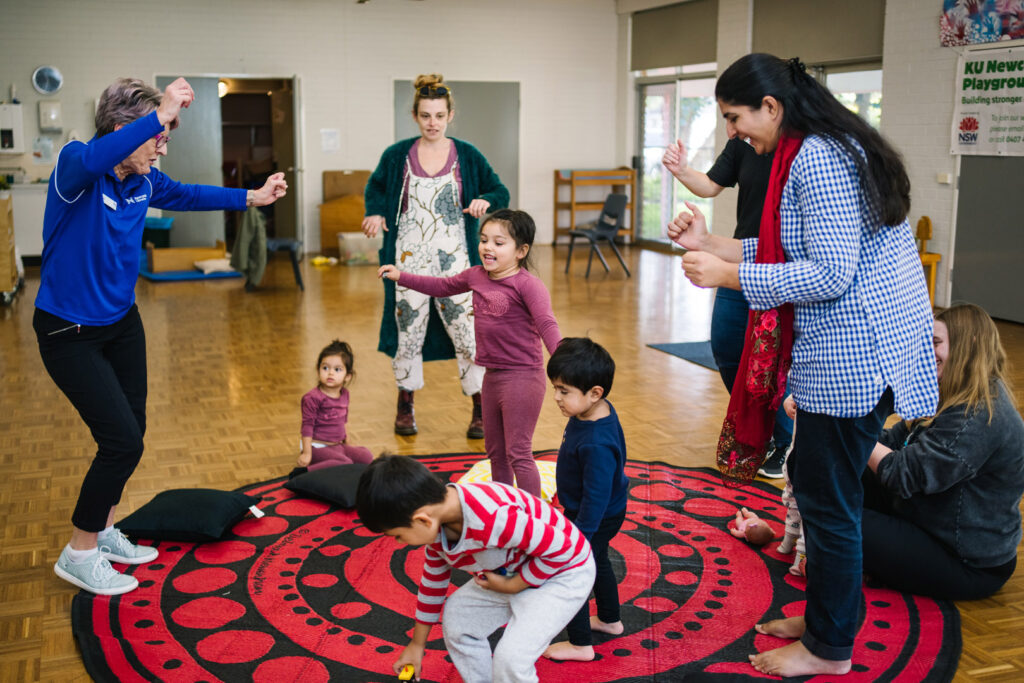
<point>124,101</point>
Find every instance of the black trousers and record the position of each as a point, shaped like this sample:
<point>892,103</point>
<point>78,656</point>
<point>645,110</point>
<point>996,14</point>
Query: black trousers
<point>828,459</point>
<point>906,557</point>
<point>102,371</point>
<point>606,586</point>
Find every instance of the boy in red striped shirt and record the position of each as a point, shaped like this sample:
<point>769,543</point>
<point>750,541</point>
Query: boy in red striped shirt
<point>532,569</point>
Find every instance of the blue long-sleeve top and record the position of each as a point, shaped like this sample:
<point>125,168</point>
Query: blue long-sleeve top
<point>590,474</point>
<point>92,228</point>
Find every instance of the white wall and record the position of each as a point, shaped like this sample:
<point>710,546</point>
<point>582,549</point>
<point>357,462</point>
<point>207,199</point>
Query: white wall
<point>346,55</point>
<point>917,115</point>
<point>734,37</point>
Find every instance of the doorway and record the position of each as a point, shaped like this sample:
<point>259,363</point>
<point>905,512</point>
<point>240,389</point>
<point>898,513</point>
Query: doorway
<point>236,133</point>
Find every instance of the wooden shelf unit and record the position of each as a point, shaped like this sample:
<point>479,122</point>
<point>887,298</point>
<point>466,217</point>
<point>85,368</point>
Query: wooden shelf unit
<point>622,179</point>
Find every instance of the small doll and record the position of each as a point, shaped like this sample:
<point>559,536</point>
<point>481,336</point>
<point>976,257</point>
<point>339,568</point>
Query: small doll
<point>751,528</point>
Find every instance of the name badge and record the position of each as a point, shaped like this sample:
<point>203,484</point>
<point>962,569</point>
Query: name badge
<point>111,204</point>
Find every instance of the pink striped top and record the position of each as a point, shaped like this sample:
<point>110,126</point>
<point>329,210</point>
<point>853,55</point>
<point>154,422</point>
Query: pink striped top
<point>502,528</point>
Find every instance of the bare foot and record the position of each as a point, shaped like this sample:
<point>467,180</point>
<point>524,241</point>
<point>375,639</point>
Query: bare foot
<point>793,627</point>
<point>614,629</point>
<point>795,660</point>
<point>565,651</point>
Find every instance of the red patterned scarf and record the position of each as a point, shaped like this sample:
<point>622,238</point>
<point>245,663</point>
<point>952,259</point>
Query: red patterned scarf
<point>760,383</point>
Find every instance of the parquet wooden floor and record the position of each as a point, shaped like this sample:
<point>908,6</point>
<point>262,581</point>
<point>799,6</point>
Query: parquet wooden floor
<point>227,369</point>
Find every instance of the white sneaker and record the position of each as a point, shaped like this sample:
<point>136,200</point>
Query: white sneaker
<point>94,575</point>
<point>116,547</point>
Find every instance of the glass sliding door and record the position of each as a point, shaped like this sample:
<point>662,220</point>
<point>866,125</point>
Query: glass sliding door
<point>698,114</point>
<point>657,129</point>
<point>683,110</point>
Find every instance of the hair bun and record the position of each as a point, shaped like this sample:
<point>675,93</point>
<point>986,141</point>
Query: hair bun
<point>427,79</point>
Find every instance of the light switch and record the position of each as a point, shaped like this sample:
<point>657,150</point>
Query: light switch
<point>944,178</point>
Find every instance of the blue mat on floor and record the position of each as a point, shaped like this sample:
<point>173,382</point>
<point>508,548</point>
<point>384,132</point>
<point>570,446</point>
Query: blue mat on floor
<point>176,275</point>
<point>171,275</point>
<point>695,352</point>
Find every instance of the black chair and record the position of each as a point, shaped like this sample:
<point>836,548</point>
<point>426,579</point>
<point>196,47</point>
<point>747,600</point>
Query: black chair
<point>294,249</point>
<point>613,217</point>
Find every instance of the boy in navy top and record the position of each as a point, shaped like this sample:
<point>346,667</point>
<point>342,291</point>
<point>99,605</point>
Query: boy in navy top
<point>592,483</point>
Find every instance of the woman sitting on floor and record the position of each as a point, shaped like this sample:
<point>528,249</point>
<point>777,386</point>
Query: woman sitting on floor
<point>942,501</point>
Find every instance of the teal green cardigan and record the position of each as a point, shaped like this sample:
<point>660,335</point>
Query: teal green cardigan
<point>383,197</point>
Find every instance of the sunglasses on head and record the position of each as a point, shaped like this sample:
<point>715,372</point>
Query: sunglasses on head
<point>431,90</point>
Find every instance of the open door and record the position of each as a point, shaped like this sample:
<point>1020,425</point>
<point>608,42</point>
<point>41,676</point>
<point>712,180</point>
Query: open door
<point>238,131</point>
<point>194,157</point>
<point>282,121</point>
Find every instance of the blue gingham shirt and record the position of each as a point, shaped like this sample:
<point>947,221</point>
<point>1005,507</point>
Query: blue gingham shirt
<point>863,320</point>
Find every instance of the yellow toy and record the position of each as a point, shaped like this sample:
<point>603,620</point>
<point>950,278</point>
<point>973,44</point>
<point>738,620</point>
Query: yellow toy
<point>407,672</point>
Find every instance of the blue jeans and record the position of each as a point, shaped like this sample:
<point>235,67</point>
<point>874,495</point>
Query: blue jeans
<point>728,329</point>
<point>829,457</point>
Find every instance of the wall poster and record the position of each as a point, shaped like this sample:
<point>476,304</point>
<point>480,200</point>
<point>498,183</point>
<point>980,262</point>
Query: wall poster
<point>988,114</point>
<point>967,22</point>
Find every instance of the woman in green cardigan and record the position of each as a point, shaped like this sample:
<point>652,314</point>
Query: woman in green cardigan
<point>427,195</point>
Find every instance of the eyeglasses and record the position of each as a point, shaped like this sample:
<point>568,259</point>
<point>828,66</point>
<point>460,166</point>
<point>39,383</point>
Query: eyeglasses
<point>433,90</point>
<point>162,139</point>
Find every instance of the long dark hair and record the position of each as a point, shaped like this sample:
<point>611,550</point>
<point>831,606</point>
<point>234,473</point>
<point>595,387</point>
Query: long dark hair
<point>809,108</point>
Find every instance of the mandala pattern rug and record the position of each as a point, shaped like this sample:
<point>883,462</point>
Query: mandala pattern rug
<point>306,593</point>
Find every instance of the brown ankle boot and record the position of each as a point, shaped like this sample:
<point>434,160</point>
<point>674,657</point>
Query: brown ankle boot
<point>405,420</point>
<point>476,424</point>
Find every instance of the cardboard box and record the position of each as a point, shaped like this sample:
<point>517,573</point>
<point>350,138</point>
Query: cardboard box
<point>181,258</point>
<point>343,214</point>
<point>357,249</point>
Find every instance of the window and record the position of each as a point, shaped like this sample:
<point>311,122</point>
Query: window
<point>684,110</point>
<point>860,92</point>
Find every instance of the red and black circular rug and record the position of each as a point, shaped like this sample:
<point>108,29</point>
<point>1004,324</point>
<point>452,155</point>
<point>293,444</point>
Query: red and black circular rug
<point>306,593</point>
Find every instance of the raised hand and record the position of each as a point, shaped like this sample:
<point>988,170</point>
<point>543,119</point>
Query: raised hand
<point>689,230</point>
<point>177,96</point>
<point>674,158</point>
<point>272,190</point>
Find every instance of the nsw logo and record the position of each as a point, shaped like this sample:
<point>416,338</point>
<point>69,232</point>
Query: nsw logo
<point>968,134</point>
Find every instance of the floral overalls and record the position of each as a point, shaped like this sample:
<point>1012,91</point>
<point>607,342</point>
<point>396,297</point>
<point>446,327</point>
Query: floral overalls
<point>431,240</point>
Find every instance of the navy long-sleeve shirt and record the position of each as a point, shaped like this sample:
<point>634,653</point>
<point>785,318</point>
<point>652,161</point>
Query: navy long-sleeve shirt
<point>591,477</point>
<point>92,228</point>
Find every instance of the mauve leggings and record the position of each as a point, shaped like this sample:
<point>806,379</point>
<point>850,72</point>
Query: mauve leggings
<point>340,454</point>
<point>511,402</point>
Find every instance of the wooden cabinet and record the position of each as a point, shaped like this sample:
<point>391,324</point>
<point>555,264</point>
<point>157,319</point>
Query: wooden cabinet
<point>8,264</point>
<point>343,207</point>
<point>568,203</point>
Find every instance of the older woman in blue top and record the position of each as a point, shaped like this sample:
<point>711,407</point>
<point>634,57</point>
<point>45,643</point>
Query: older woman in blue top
<point>88,327</point>
<point>862,323</point>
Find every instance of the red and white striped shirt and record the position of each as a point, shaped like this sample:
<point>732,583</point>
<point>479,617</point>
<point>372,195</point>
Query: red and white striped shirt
<point>502,528</point>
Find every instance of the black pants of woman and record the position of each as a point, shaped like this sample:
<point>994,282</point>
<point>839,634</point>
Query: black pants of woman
<point>904,556</point>
<point>606,586</point>
<point>102,371</point>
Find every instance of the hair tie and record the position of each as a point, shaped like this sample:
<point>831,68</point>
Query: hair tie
<point>797,65</point>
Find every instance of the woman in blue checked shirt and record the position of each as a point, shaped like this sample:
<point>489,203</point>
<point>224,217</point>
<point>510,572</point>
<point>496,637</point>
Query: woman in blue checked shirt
<point>836,245</point>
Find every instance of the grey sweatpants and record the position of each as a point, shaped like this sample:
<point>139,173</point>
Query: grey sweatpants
<point>533,617</point>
